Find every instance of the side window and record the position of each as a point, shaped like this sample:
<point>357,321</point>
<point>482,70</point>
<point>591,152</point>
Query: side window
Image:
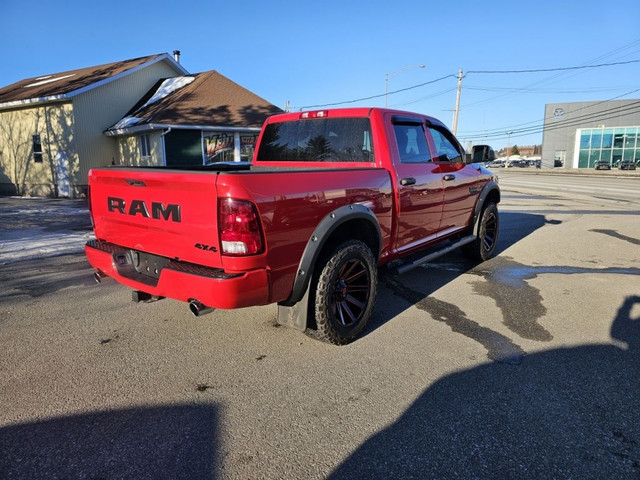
<point>446,147</point>
<point>37,148</point>
<point>412,144</point>
<point>145,151</point>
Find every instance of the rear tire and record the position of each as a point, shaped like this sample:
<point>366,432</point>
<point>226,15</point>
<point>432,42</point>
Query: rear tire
<point>484,247</point>
<point>344,293</point>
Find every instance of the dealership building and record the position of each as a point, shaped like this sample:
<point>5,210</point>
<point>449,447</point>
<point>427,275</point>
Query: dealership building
<point>578,134</point>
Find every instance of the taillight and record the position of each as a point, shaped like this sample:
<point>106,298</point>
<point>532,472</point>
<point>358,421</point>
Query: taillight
<point>239,227</point>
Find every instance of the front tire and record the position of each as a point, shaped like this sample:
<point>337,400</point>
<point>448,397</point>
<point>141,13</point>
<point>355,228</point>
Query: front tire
<point>484,247</point>
<point>344,293</point>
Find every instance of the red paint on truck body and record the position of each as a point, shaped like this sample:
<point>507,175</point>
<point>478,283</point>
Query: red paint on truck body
<point>162,215</point>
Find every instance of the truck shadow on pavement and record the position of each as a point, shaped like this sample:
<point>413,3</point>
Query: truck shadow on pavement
<point>155,442</point>
<point>414,288</point>
<point>562,413</point>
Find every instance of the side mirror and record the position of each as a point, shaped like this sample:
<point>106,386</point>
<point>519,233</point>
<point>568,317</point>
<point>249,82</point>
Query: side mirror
<point>481,154</point>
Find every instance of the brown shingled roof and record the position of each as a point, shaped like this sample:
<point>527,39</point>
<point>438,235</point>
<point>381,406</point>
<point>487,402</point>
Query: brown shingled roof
<point>210,100</point>
<point>63,83</point>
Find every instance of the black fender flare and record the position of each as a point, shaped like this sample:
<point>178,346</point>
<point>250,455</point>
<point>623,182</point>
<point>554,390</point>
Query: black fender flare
<point>327,226</point>
<point>490,187</point>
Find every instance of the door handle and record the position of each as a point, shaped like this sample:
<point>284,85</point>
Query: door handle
<point>449,177</point>
<point>408,181</point>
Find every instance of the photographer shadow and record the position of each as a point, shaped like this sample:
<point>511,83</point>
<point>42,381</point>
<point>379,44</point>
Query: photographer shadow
<point>562,413</point>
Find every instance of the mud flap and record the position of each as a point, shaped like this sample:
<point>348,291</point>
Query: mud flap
<point>295,316</point>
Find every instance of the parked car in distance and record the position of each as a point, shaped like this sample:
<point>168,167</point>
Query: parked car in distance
<point>517,162</point>
<point>496,164</point>
<point>534,163</point>
<point>602,165</point>
<point>627,165</point>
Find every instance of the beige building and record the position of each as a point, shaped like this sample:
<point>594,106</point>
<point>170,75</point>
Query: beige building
<point>143,111</point>
<point>191,120</point>
<point>51,127</point>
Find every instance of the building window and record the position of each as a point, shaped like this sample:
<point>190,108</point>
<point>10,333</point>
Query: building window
<point>37,148</point>
<point>219,147</point>
<point>247,146</point>
<point>559,158</point>
<point>611,145</point>
<point>145,151</point>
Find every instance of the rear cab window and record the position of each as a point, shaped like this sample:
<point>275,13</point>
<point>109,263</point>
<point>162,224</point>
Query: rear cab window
<point>335,140</point>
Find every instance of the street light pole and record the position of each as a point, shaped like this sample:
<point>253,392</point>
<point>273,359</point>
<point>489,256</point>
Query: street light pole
<point>387,76</point>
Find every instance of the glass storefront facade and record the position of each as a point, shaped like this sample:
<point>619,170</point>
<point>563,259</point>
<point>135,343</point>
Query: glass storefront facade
<point>608,144</point>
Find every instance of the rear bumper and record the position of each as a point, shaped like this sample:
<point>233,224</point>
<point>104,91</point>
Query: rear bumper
<point>181,280</point>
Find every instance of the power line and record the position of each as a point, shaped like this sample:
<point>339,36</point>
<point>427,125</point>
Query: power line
<point>603,115</point>
<point>428,97</point>
<point>568,73</point>
<point>573,122</point>
<point>378,96</point>
<point>502,130</point>
<point>528,128</point>
<point>545,90</point>
<point>558,69</point>
<point>540,70</point>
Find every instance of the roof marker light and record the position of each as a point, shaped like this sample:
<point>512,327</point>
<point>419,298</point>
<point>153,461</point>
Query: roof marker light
<point>316,114</point>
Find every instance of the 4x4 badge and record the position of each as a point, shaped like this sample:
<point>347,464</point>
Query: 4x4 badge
<point>208,248</point>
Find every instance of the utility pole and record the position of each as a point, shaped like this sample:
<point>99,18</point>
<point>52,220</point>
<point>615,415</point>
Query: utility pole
<point>454,128</point>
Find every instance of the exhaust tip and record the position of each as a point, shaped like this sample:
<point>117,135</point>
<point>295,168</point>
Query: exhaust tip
<point>197,308</point>
<point>98,275</point>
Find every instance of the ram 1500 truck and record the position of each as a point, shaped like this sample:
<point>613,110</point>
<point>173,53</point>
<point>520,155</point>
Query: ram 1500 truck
<point>330,196</point>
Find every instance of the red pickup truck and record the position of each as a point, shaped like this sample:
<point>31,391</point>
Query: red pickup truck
<point>330,196</point>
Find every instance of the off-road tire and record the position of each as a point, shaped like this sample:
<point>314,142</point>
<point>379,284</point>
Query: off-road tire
<point>343,291</point>
<point>484,247</point>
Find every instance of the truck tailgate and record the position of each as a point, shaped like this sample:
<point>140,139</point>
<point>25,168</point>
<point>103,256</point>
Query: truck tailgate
<point>162,212</point>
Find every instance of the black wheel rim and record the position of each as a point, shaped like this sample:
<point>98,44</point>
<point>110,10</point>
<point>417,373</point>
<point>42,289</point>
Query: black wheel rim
<point>490,231</point>
<point>351,293</point>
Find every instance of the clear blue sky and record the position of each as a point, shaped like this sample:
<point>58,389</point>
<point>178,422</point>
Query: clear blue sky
<point>323,52</point>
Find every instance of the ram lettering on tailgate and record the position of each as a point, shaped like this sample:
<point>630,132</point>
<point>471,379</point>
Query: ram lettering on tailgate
<point>170,212</point>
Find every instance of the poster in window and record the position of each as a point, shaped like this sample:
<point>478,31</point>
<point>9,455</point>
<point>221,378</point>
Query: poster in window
<point>219,147</point>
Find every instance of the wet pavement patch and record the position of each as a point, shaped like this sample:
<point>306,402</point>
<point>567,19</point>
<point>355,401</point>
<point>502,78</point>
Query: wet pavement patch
<point>499,348</point>
<point>520,303</point>
<point>506,282</point>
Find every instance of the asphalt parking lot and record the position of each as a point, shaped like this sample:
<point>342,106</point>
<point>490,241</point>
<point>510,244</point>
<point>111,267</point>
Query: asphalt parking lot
<point>524,366</point>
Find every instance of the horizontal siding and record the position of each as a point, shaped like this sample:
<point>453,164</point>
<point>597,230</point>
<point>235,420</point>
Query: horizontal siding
<point>100,108</point>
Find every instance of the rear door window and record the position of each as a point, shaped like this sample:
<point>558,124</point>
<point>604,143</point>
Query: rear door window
<point>447,149</point>
<point>412,144</point>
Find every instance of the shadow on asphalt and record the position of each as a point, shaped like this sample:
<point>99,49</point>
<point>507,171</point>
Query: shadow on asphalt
<point>36,278</point>
<point>397,293</point>
<point>564,413</point>
<point>155,442</point>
